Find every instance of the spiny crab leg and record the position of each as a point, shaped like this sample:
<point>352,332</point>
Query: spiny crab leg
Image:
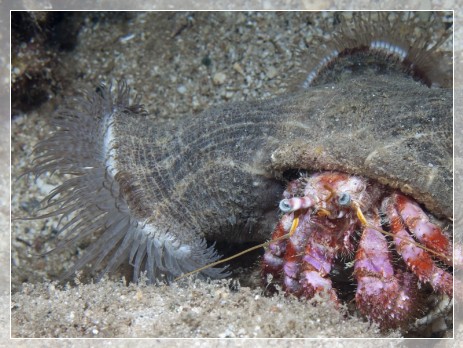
<point>316,264</point>
<point>430,249</point>
<point>424,230</point>
<point>417,260</point>
<point>303,261</point>
<point>384,296</point>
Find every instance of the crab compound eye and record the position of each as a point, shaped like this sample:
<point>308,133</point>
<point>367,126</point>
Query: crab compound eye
<point>285,206</point>
<point>344,199</point>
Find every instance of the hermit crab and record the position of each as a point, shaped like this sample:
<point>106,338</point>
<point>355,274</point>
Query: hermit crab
<point>394,255</point>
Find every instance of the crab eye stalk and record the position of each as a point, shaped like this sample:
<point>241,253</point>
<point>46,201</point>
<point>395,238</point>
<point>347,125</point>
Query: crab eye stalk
<point>344,199</point>
<point>285,206</point>
<point>296,203</point>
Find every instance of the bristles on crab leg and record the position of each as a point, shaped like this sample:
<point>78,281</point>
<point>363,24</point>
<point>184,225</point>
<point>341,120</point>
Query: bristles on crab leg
<point>273,262</point>
<point>417,260</point>
<point>431,249</point>
<point>386,297</point>
<point>424,230</point>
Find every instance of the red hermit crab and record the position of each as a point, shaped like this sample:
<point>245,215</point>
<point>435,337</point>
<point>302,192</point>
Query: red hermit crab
<point>322,214</point>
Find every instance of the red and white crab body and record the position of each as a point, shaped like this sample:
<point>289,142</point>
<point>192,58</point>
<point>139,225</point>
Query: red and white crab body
<point>322,214</point>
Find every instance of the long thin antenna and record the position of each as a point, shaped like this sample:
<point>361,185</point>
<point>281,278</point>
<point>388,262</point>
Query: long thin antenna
<point>288,235</point>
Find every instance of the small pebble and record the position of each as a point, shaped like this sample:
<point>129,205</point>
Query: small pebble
<point>181,89</point>
<point>219,78</point>
<point>238,69</point>
<point>126,38</point>
<point>271,72</point>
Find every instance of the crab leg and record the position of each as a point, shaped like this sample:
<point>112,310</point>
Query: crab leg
<point>417,260</point>
<point>290,253</point>
<point>424,230</point>
<point>292,258</point>
<point>387,298</point>
<point>282,257</point>
<point>318,258</point>
<point>303,261</point>
<point>272,262</point>
<point>278,258</point>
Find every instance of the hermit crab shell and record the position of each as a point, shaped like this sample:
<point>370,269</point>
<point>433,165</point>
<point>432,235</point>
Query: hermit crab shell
<point>395,131</point>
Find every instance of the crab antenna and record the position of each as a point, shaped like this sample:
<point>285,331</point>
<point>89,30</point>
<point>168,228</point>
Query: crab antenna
<point>360,215</point>
<point>287,235</point>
